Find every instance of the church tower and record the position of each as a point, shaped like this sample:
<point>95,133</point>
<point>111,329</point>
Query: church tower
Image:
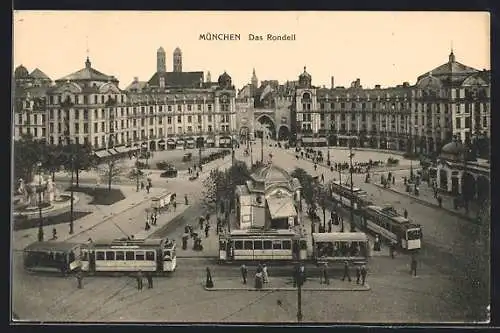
<point>177,60</point>
<point>160,61</point>
<point>255,81</point>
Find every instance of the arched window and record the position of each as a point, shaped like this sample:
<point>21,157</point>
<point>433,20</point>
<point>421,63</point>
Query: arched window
<point>306,96</point>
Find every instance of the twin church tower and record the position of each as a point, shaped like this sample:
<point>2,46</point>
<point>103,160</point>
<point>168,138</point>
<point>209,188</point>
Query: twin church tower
<point>161,65</point>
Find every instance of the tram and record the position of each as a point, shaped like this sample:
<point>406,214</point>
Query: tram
<point>391,226</point>
<point>52,257</point>
<point>124,255</point>
<point>342,193</point>
<point>338,247</point>
<point>262,245</point>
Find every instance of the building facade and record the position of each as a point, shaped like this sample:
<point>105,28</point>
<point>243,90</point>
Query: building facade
<point>88,106</point>
<point>452,100</point>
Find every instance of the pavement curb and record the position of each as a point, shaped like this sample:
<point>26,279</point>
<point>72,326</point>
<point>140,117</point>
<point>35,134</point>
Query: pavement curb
<point>364,288</point>
<point>427,203</point>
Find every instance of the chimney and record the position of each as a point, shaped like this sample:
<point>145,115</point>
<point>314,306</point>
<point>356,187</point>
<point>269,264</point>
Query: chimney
<point>333,82</point>
<point>377,86</point>
<point>406,84</point>
<point>358,83</point>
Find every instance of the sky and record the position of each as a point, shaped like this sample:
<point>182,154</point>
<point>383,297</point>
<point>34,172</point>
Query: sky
<point>385,48</point>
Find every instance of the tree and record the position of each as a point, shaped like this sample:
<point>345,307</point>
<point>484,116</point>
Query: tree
<point>309,189</point>
<point>111,171</point>
<point>53,159</point>
<point>27,152</point>
<point>83,159</point>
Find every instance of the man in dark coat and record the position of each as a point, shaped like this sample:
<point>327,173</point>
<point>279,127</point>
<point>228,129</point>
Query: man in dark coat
<point>139,280</point>
<point>244,273</point>
<point>346,271</point>
<point>150,280</point>
<point>413,265</point>
<point>363,274</point>
<point>358,274</point>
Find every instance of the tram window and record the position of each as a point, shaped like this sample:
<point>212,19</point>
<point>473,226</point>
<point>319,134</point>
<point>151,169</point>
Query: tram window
<point>303,245</point>
<point>222,245</point>
<point>268,245</point>
<point>287,245</point>
<point>120,255</point>
<point>130,255</point>
<point>248,245</point>
<point>277,245</point>
<point>139,256</point>
<point>150,255</point>
<point>85,255</point>
<point>257,245</point>
<point>110,255</point>
<point>238,245</point>
<point>99,255</point>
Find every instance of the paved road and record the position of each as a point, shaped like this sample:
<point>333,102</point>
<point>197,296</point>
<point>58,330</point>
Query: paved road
<point>395,295</point>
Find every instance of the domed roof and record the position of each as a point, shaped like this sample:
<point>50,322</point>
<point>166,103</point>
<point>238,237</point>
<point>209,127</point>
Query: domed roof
<point>271,174</point>
<point>177,50</point>
<point>453,148</point>
<point>305,74</point>
<point>429,82</point>
<point>21,72</point>
<point>224,76</point>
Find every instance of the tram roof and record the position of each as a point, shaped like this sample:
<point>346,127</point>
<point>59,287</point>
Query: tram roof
<point>261,232</point>
<point>340,236</point>
<point>132,242</point>
<point>51,247</point>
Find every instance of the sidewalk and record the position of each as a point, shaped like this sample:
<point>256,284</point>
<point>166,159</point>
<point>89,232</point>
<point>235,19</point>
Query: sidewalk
<point>285,284</point>
<point>426,197</point>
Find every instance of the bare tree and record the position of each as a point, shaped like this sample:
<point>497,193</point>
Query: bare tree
<point>111,171</point>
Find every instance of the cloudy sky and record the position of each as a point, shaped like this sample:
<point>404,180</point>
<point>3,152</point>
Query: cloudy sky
<point>384,48</point>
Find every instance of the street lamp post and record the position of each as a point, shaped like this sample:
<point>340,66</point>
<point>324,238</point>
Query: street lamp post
<point>71,193</point>
<point>352,186</point>
<point>137,169</point>
<point>40,224</point>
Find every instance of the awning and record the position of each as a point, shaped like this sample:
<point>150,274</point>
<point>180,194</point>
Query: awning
<point>339,236</point>
<point>210,141</point>
<point>307,139</point>
<point>122,150</point>
<point>113,151</point>
<point>180,142</point>
<point>319,140</point>
<point>170,142</point>
<point>347,137</point>
<point>101,153</point>
<point>281,208</point>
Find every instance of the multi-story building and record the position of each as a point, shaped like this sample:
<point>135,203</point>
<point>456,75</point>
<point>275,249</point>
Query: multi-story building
<point>29,102</point>
<point>175,108</point>
<point>88,106</point>
<point>452,100</point>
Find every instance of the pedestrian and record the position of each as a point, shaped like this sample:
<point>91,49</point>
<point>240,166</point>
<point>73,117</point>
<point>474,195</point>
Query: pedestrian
<point>186,199</point>
<point>376,245</point>
<point>207,217</point>
<point>265,275</point>
<point>207,229</point>
<point>363,274</point>
<point>413,265</point>
<point>142,185</point>
<point>346,271</point>
<point>147,226</point>
<point>79,279</point>
<point>200,222</point>
<point>315,166</point>
<point>322,178</point>
<point>358,274</point>
<point>440,201</point>
<point>150,280</point>
<point>185,238</point>
<point>244,273</point>
<point>175,205</point>
<point>325,273</point>
<point>147,188</point>
<point>392,248</point>
<point>406,214</point>
<point>139,280</point>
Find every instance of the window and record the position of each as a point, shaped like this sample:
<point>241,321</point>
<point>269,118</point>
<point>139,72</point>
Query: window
<point>150,255</point>
<point>238,245</point>
<point>353,105</point>
<point>322,106</point>
<point>210,128</point>
<point>199,118</point>
<point>248,245</point>
<point>257,245</point>
<point>169,108</point>
<point>210,118</point>
<point>277,245</point>
<point>485,121</point>
<point>120,255</point>
<point>179,119</point>
<point>353,116</point>
<point>96,129</point>
<point>190,119</point>
<point>209,106</point>
<point>77,128</point>
<point>268,245</point>
<point>199,107</point>
<point>110,255</point>
<point>130,255</point>
<point>467,122</point>
<point>139,255</point>
<point>169,120</point>
<point>342,105</point>
<point>99,255</point>
<point>150,121</point>
<point>287,245</point>
<point>457,123</point>
<point>179,107</point>
<point>189,107</point>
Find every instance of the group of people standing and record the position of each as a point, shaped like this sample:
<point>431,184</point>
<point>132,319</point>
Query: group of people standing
<point>261,275</point>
